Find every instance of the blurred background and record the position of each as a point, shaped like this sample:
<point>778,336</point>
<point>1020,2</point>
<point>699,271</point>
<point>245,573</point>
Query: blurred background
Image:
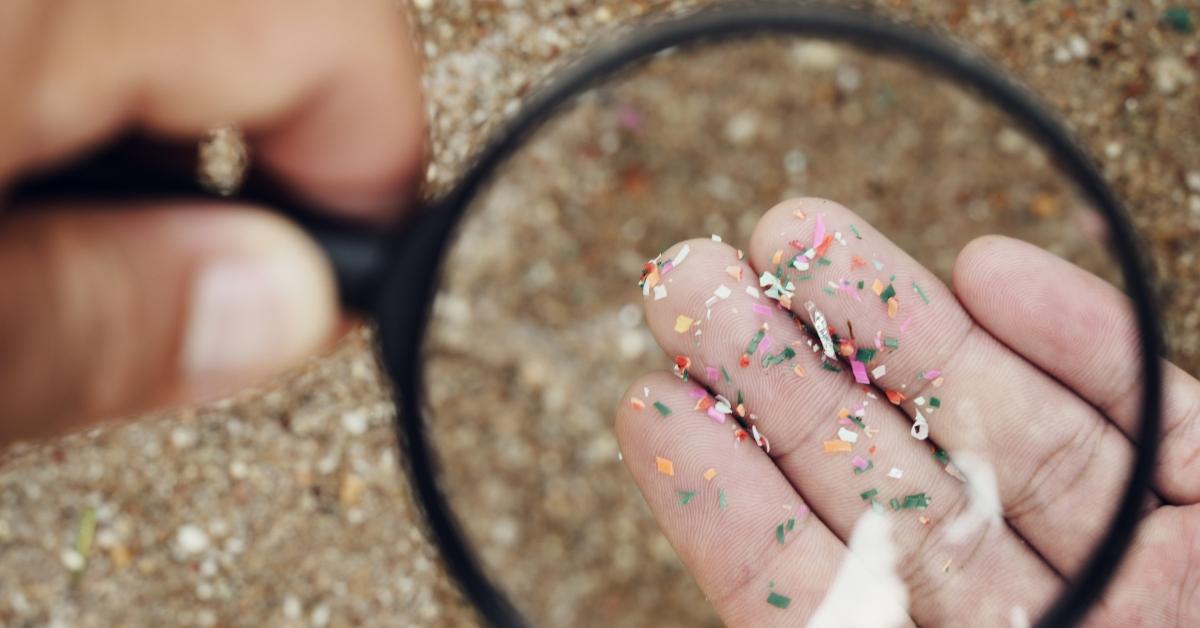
<point>284,506</point>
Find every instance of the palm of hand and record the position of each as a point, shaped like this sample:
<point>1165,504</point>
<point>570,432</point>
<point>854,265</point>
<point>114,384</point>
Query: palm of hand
<point>1028,369</point>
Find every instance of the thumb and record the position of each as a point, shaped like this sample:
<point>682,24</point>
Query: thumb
<point>122,310</point>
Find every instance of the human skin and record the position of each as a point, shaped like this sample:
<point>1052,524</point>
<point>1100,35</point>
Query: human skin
<point>1035,366</point>
<point>111,311</point>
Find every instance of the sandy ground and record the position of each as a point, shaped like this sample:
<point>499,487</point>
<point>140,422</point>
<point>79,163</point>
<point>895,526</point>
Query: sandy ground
<point>284,505</point>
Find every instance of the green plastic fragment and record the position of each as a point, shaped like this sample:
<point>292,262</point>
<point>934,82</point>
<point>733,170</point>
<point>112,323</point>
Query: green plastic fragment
<point>740,398</point>
<point>1178,18</point>
<point>779,533</point>
<point>941,456</point>
<point>858,422</point>
<point>891,343</point>
<point>791,524</point>
<point>824,261</point>
<point>915,502</point>
<point>685,497</point>
<point>888,293</point>
<point>895,504</point>
<point>778,601</point>
<point>721,499</point>
<point>861,283</point>
<point>779,358</point>
<point>829,291</point>
<point>829,366</point>
<point>934,402</point>
<point>865,355</point>
<point>855,232</point>
<point>662,408</point>
<point>725,374</point>
<point>753,346</point>
<point>870,465</point>
<point>920,293</point>
<point>867,495</point>
<point>804,278</point>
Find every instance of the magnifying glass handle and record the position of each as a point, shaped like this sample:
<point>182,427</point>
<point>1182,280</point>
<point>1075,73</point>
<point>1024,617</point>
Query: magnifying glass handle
<point>138,168</point>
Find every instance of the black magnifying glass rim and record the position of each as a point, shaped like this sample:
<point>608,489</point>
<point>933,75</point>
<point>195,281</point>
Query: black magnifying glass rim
<point>408,288</point>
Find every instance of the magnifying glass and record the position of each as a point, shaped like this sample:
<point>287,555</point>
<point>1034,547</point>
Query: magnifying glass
<point>513,311</point>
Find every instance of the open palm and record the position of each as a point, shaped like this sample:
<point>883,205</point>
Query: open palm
<point>779,429</point>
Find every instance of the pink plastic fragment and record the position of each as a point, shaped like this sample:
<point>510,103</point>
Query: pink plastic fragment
<point>933,374</point>
<point>905,324</point>
<point>716,416</point>
<point>819,233</point>
<point>762,346</point>
<point>860,372</point>
<point>762,310</point>
<point>860,463</point>
<point>696,392</point>
<point>711,371</point>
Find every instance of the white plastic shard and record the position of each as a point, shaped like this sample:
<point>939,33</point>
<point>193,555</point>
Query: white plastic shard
<point>848,436</point>
<point>819,324</point>
<point>867,573</point>
<point>983,510</point>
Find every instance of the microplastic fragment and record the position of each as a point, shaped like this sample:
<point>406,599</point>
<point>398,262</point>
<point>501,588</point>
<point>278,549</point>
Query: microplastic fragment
<point>920,293</point>
<point>877,287</point>
<point>791,524</point>
<point>887,293</point>
<point>685,497</point>
<point>822,328</point>
<point>665,467</point>
<point>734,271</point>
<point>779,358</point>
<point>830,366</point>
<point>721,499</point>
<point>860,372</point>
<point>683,323</point>
<point>935,402</point>
<point>836,446</point>
<point>711,372</point>
<point>865,354</point>
<point>941,456</point>
<point>893,306</point>
<point>662,408</point>
<point>681,255</point>
<point>716,238</point>
<point>866,495</point>
<point>660,292</point>
<point>819,232</point>
<point>891,343</point>
<point>722,292</point>
<point>798,370</point>
<point>824,261</point>
<point>895,473</point>
<point>753,346</point>
<point>855,232</point>
<point>878,264</point>
<point>915,502</point>
<point>778,601</point>
<point>870,465</point>
<point>919,401</point>
<point>932,374</point>
<point>849,436</point>
<point>860,463</point>
<point>710,474</point>
<point>920,427</point>
<point>894,396</point>
<point>779,534</point>
<point>725,374</point>
<point>879,371</point>
<point>752,291</point>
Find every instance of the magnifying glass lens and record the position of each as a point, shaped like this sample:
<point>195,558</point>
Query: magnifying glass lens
<point>843,408</point>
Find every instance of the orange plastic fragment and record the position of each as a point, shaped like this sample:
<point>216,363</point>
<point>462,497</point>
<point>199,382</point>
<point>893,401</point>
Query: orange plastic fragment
<point>893,307</point>
<point>824,246</point>
<point>710,474</point>
<point>836,446</point>
<point>637,404</point>
<point>665,467</point>
<point>895,396</point>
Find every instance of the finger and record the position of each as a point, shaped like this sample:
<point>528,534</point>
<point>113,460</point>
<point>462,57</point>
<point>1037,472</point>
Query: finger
<point>328,91</point>
<point>843,446</point>
<point>1052,313</point>
<point>115,312</point>
<point>718,503</point>
<point>1058,475</point>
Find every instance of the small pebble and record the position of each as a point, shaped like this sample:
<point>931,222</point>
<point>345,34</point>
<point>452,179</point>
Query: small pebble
<point>190,540</point>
